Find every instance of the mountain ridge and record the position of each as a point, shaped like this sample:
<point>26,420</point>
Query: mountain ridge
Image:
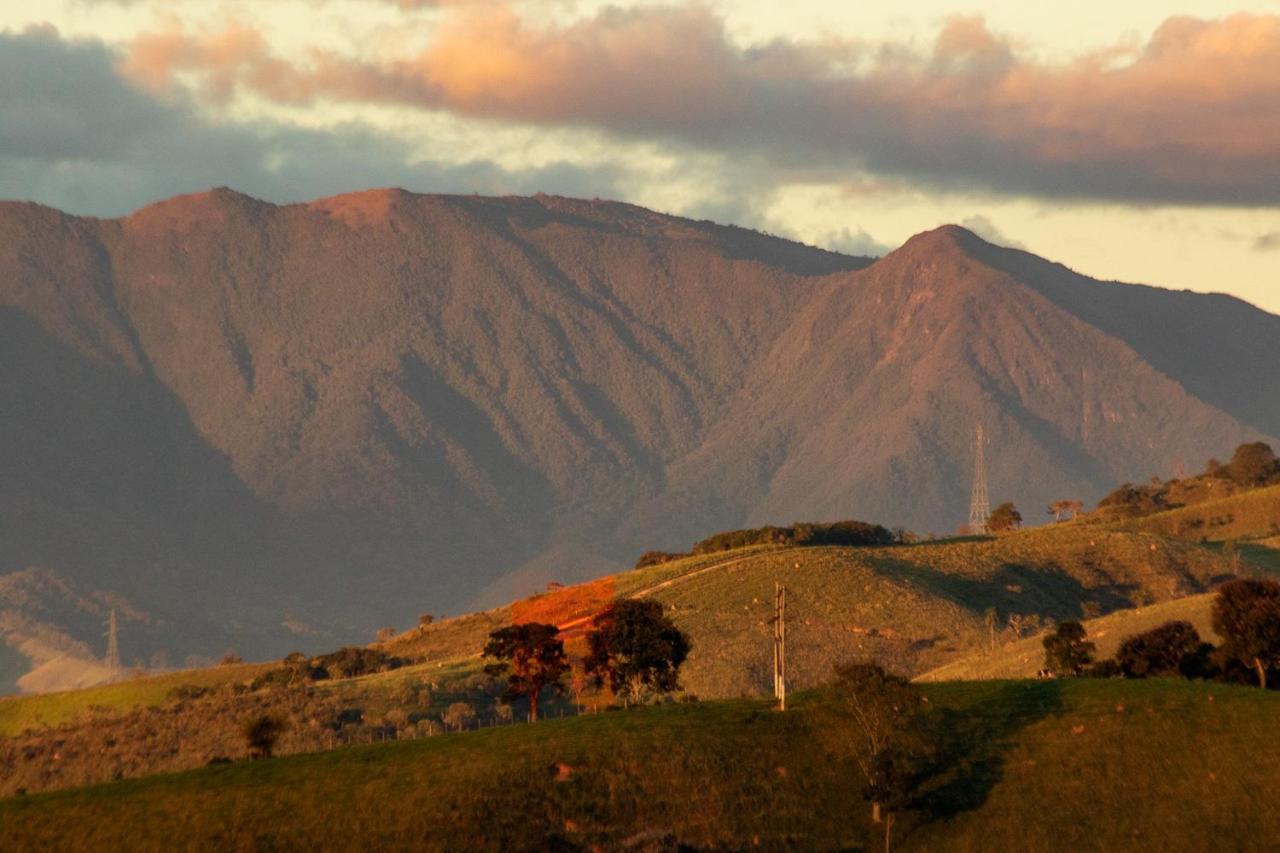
<point>380,403</point>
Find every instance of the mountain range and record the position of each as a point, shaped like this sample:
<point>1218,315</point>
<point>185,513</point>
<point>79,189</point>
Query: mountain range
<point>262,427</point>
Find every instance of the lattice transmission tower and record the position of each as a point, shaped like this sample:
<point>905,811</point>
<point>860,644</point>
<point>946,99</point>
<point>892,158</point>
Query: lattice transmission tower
<point>979,504</point>
<point>113,645</point>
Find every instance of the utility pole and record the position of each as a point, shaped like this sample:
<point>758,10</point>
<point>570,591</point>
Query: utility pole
<point>979,505</point>
<point>780,644</point>
<point>113,645</point>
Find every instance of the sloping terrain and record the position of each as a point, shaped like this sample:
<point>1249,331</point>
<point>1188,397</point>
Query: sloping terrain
<point>910,607</point>
<point>1249,515</point>
<point>1126,765</point>
<point>285,426</point>
<point>1024,658</point>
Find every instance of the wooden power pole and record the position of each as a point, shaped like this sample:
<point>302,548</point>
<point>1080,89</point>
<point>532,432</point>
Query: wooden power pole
<point>780,644</point>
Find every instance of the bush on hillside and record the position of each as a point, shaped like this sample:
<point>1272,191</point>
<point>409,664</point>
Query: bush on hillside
<point>261,732</point>
<point>846,533</point>
<point>1254,464</point>
<point>1133,500</point>
<point>656,558</point>
<point>1172,649</point>
<point>1004,518</point>
<point>353,661</point>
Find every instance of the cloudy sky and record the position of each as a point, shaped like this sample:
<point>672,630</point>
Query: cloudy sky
<point>1135,140</point>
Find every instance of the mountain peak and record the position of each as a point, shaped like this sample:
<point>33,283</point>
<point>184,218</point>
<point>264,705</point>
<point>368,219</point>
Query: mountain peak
<point>944,238</point>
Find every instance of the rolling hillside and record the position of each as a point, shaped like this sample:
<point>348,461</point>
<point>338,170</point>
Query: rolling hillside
<point>268,426</point>
<point>910,607</point>
<point>1127,766</point>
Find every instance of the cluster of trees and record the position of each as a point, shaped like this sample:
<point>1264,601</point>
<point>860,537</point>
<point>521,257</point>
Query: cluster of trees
<point>848,533</point>
<point>634,648</point>
<point>1252,465</point>
<point>347,662</point>
<point>1246,615</point>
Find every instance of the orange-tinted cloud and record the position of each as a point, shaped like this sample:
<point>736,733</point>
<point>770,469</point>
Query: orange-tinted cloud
<point>1193,116</point>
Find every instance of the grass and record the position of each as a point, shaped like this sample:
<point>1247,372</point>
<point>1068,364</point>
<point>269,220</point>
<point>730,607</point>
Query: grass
<point>912,607</point>
<point>19,713</point>
<point>1254,514</point>
<point>1024,658</point>
<point>1028,766</point>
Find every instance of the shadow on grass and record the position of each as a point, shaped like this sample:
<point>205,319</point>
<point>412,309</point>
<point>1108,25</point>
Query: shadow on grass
<point>1047,591</point>
<point>971,745</point>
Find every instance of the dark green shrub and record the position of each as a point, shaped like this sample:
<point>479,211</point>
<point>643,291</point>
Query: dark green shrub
<point>1171,649</point>
<point>656,558</point>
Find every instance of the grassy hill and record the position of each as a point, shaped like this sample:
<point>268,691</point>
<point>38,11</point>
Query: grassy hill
<point>914,608</point>
<point>1031,766</point>
<point>911,607</point>
<point>1250,515</point>
<point>19,713</point>
<point>1025,657</point>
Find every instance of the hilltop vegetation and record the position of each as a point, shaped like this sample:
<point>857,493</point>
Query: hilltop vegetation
<point>1125,765</point>
<point>1242,483</point>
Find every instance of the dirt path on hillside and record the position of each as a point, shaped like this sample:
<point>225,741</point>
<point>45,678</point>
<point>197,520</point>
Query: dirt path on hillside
<point>678,579</point>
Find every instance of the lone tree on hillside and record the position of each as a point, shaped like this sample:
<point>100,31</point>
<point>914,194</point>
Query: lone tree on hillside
<point>883,712</point>
<point>1004,518</point>
<point>1172,649</point>
<point>1246,614</point>
<point>1061,509</point>
<point>1253,464</point>
<point>261,732</point>
<point>1067,650</point>
<point>532,657</point>
<point>635,647</point>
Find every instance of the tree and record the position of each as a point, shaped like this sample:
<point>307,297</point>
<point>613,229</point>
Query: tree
<point>261,732</point>
<point>635,647</point>
<point>883,712</point>
<point>1253,464</point>
<point>458,715</point>
<point>1004,518</point>
<point>1067,650</point>
<point>1246,614</point>
<point>1071,508</point>
<point>1168,650</point>
<point>532,656</point>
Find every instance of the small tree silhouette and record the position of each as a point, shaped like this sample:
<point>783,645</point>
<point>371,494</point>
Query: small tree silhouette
<point>1004,518</point>
<point>261,732</point>
<point>1067,650</point>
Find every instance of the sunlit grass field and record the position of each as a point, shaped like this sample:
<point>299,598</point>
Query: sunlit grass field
<point>912,607</point>
<point>1031,766</point>
<point>1024,658</point>
<point>1248,515</point>
<point>18,713</point>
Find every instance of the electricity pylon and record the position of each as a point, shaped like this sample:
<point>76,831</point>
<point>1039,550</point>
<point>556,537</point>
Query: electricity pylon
<point>113,645</point>
<point>979,505</point>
